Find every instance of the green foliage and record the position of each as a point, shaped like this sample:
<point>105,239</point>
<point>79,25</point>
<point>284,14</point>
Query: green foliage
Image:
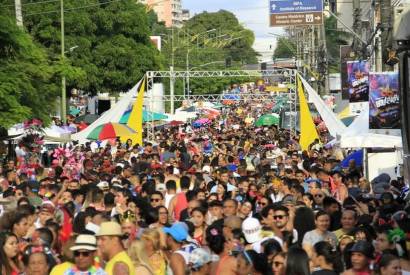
<point>285,48</point>
<point>114,49</point>
<point>210,41</point>
<point>26,77</point>
<point>334,39</point>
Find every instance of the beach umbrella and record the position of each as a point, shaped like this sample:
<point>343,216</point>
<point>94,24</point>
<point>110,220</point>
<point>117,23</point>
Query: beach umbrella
<point>110,131</point>
<point>176,123</point>
<point>200,122</point>
<point>82,126</point>
<point>146,116</point>
<point>267,120</point>
<point>88,118</point>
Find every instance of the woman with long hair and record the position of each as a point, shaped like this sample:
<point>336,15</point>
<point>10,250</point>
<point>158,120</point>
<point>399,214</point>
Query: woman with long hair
<point>251,262</point>
<point>139,258</point>
<point>271,248</point>
<point>326,259</point>
<point>245,210</point>
<point>198,219</point>
<point>9,262</point>
<point>278,263</point>
<point>388,264</point>
<point>303,222</point>
<point>297,262</point>
<point>38,260</point>
<point>152,248</point>
<point>320,233</point>
<point>221,247</point>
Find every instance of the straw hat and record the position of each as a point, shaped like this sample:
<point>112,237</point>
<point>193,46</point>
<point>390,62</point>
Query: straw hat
<point>110,229</point>
<point>85,242</point>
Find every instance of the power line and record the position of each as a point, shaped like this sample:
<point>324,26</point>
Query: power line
<point>31,3</point>
<point>77,8</point>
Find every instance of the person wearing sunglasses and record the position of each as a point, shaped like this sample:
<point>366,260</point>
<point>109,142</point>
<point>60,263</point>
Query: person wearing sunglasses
<point>84,251</point>
<point>156,199</point>
<point>282,221</point>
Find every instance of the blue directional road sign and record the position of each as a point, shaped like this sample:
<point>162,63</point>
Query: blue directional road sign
<point>296,12</point>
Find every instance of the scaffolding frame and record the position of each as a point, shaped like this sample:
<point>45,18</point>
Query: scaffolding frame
<point>288,74</point>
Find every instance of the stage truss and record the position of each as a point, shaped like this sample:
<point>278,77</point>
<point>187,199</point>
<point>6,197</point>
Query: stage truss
<point>288,75</point>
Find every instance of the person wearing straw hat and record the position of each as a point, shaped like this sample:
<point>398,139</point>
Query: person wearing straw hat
<point>84,251</point>
<point>109,240</point>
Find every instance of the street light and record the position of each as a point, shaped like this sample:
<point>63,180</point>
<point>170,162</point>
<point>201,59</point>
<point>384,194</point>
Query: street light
<point>63,87</point>
<point>187,56</point>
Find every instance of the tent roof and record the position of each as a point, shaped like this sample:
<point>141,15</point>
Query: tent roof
<point>112,115</point>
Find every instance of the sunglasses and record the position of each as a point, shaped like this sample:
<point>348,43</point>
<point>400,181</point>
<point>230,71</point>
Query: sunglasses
<point>278,217</point>
<point>262,203</point>
<point>155,200</point>
<point>318,196</point>
<point>83,253</point>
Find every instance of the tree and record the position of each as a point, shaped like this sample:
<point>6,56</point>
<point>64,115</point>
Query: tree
<point>114,48</point>
<point>285,48</point>
<point>27,89</point>
<point>209,41</point>
<point>334,39</point>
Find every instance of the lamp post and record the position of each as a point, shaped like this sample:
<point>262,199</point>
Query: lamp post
<point>187,59</point>
<point>63,86</point>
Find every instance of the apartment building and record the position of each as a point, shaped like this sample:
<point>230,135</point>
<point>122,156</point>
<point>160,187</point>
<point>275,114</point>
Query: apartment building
<point>169,11</point>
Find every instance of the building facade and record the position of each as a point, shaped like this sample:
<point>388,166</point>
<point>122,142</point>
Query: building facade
<point>169,11</point>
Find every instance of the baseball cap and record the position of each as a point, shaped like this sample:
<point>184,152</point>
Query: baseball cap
<point>288,200</point>
<point>178,231</point>
<point>252,228</point>
<point>363,247</point>
<point>199,257</point>
<point>48,206</point>
<point>34,186</point>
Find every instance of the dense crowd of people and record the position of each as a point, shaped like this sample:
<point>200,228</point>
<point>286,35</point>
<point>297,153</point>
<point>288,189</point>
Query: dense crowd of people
<point>222,198</point>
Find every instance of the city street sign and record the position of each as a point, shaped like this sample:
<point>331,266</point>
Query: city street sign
<point>295,12</point>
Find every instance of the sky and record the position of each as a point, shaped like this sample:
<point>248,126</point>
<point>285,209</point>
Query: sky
<point>253,14</point>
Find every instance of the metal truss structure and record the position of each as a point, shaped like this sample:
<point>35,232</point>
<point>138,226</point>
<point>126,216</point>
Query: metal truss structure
<point>287,75</point>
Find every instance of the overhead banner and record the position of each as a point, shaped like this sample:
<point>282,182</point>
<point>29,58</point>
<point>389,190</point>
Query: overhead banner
<point>384,101</point>
<point>358,81</point>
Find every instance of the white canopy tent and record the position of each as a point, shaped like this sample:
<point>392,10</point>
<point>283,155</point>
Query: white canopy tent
<point>112,115</point>
<point>333,123</point>
<point>357,135</point>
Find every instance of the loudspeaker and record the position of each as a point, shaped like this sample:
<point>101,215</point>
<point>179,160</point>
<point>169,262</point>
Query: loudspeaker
<point>263,66</point>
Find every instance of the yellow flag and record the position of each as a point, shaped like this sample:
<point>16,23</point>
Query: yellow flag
<point>308,131</point>
<point>135,120</point>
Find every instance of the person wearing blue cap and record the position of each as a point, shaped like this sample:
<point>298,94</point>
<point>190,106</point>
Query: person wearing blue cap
<point>177,235</point>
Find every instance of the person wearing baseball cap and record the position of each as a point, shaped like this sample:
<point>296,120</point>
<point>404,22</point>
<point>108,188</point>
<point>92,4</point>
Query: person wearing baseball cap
<point>199,262</point>
<point>47,212</point>
<point>109,240</point>
<point>177,234</point>
<point>84,251</point>
<point>362,253</point>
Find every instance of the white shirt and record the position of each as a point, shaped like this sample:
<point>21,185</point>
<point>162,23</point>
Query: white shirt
<point>168,198</point>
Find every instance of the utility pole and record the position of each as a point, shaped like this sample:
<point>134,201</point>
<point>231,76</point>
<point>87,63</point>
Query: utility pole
<point>63,88</point>
<point>19,13</point>
<point>357,25</point>
<point>386,20</point>
<point>171,69</point>
<point>187,69</point>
